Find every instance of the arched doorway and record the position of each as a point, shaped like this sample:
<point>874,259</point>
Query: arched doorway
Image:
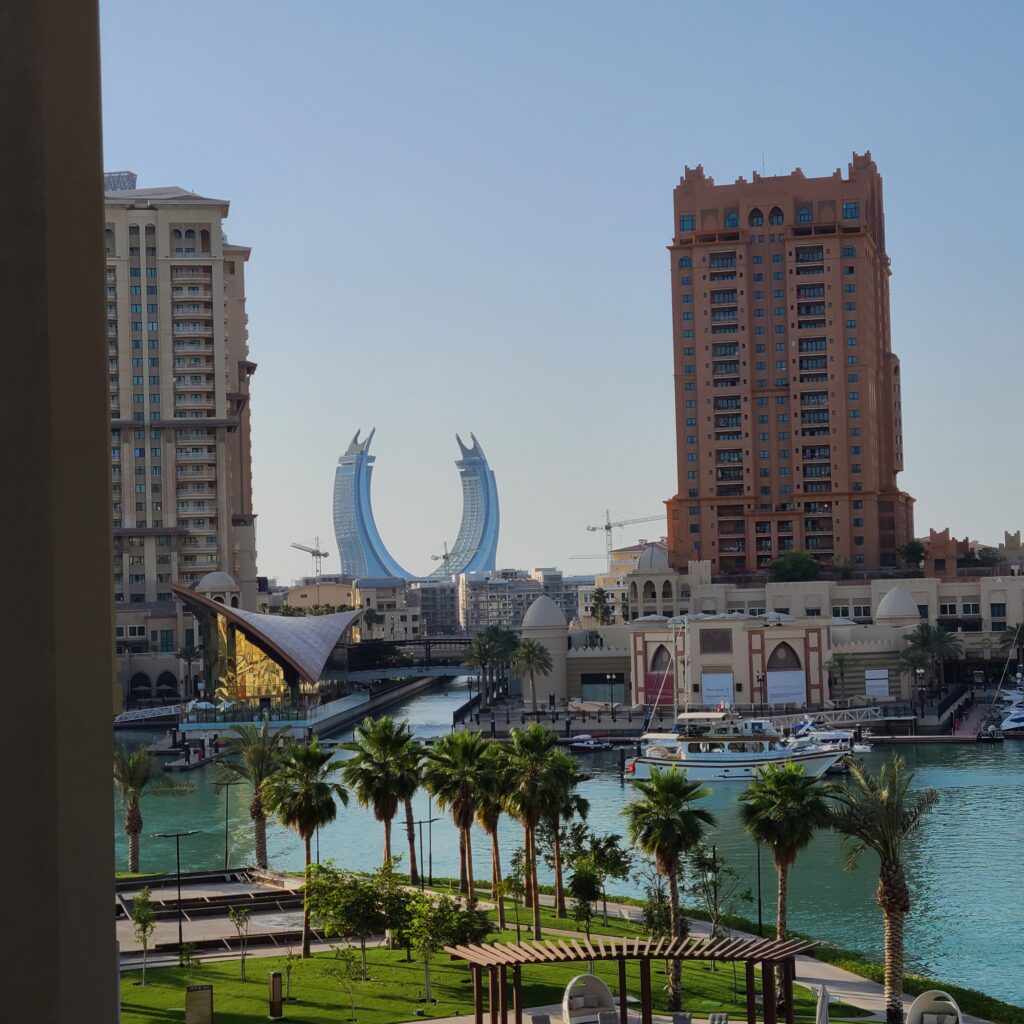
<point>140,687</point>
<point>166,686</point>
<point>787,680</point>
<point>659,683</point>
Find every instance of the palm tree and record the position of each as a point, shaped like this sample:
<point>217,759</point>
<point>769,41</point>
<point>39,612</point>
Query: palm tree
<point>504,643</point>
<point>252,757</point>
<point>492,783</point>
<point>376,774</point>
<point>599,606</point>
<point>452,771</point>
<point>133,775</point>
<point>189,653</point>
<point>782,809</point>
<point>481,655</point>
<point>839,664</point>
<point>665,825</point>
<point>939,644</point>
<point>531,658</point>
<point>563,802</point>
<point>302,795</point>
<point>371,617</point>
<point>407,780</point>
<point>881,814</point>
<point>529,755</point>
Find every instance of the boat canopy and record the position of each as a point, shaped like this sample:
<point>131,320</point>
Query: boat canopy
<point>705,716</point>
<point>663,737</point>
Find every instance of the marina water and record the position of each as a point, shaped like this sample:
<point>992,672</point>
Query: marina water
<point>965,926</point>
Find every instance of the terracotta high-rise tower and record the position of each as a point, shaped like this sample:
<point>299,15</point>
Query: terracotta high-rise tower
<point>788,413</point>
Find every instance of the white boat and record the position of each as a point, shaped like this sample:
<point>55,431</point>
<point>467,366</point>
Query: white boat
<point>829,739</point>
<point>728,747</point>
<point>583,744</point>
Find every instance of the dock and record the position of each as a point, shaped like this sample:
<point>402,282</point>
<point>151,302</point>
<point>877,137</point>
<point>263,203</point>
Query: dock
<point>181,765</point>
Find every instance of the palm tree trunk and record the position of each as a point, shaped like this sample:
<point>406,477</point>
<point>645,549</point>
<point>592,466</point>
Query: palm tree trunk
<point>305,903</point>
<point>387,840</point>
<point>414,871</point>
<point>259,828</point>
<point>470,894</point>
<point>536,892</point>
<point>781,899</point>
<point>133,826</point>
<point>527,877</point>
<point>893,961</point>
<point>533,695</point>
<point>560,910</point>
<point>672,997</point>
<point>463,884</point>
<point>496,877</point>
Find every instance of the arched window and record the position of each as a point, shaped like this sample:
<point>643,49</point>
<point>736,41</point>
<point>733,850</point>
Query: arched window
<point>732,219</point>
<point>176,234</point>
<point>775,217</point>
<point>219,599</point>
<point>140,685</point>
<point>204,241</point>
<point>803,215</point>
<point>686,261</point>
<point>784,659</point>
<point>756,219</point>
<point>666,591</point>
<point>662,660</point>
<point>633,592</point>
<point>166,684</point>
<point>190,233</point>
<point>234,602</point>
<point>109,241</point>
<point>650,593</point>
<point>684,592</point>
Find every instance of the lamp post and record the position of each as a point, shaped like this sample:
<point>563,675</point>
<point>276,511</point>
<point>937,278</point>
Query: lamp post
<point>429,823</point>
<point>176,836</point>
<point>919,672</point>
<point>760,692</point>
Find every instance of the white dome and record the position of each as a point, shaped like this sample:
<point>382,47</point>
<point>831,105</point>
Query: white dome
<point>654,558</point>
<point>543,614</point>
<point>897,604</point>
<point>216,583</point>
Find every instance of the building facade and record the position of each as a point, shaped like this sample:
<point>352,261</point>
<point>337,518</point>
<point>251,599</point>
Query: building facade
<point>178,383</point>
<point>788,407</point>
<point>502,598</point>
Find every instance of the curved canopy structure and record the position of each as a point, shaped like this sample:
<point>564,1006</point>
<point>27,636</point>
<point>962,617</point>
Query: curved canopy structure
<point>361,549</point>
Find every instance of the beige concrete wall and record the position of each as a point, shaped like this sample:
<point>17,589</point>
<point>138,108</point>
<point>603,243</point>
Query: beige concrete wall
<point>57,622</point>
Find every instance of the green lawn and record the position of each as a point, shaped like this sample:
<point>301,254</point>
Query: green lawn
<point>394,987</point>
<point>616,926</point>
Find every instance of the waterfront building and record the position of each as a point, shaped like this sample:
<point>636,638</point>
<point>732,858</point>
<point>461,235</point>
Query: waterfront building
<point>361,549</point>
<point>178,396</point>
<point>623,561</point>
<point>501,598</point>
<point>395,605</point>
<point>788,409</point>
<point>439,605</point>
<point>311,593</point>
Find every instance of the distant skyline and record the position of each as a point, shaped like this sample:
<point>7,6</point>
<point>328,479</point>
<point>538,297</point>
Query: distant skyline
<point>459,213</point>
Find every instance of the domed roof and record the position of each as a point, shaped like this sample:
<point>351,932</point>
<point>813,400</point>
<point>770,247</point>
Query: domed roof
<point>654,558</point>
<point>897,604</point>
<point>216,583</point>
<point>543,614</point>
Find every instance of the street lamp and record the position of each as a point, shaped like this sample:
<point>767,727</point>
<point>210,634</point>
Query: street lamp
<point>919,672</point>
<point>176,836</point>
<point>429,823</point>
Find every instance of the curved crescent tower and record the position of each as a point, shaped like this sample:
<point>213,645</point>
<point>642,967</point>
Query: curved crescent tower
<point>360,546</point>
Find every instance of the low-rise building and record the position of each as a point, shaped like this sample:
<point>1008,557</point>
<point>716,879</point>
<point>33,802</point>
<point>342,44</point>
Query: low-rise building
<point>502,597</point>
<point>394,606</point>
<point>439,606</point>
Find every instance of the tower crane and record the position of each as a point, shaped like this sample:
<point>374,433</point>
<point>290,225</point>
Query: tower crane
<point>317,554</point>
<point>445,559</point>
<point>608,526</point>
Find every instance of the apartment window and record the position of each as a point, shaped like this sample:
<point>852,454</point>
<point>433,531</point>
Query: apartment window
<point>762,401</point>
<point>691,421</point>
<point>761,365</point>
<point>150,271</point>
<point>854,414</point>
<point>135,272</point>
<point>691,474</point>
<point>762,419</point>
<point>853,396</point>
<point>759,311</point>
<point>758,295</point>
<point>151,307</point>
<point>782,399</point>
<point>862,611</point>
<point>850,306</point>
<point>851,325</point>
<point>972,608</point>
<point>849,289</point>
<point>757,259</point>
<point>784,436</point>
<point>689,368</point>
<point>688,333</point>
<point>848,251</point>
<point>691,439</point>
<point>763,453</point>
<point>998,611</point>
<point>687,280</point>
<point>780,328</point>
<point>688,351</point>
<point>152,325</point>
<point>777,257</point>
<point>780,310</point>
<point>762,437</point>
<point>851,211</point>
<point>691,457</point>
<point>848,271</point>
<point>947,609</point>
<point>783,417</point>
<point>136,307</point>
<point>685,261</point>
<point>778,294</point>
<point>841,611</point>
<point>691,385</point>
<point>687,316</point>
<point>851,342</point>
<point>780,364</point>
<point>688,222</point>
<point>687,298</point>
<point>758,276</point>
<point>691,403</point>
<point>998,627</point>
<point>803,215</point>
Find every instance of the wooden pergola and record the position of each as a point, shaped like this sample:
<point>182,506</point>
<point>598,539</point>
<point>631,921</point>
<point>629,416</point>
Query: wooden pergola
<point>497,957</point>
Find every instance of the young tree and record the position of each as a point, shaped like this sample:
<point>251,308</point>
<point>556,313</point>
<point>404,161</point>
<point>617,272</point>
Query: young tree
<point>344,905</point>
<point>515,885</point>
<point>239,917</point>
<point>657,915</point>
<point>665,825</point>
<point>531,658</point>
<point>431,929</point>
<point>252,757</point>
<point>302,795</point>
<point>610,861</point>
<point>782,809</point>
<point>144,922</point>
<point>912,553</point>
<point>882,814</point>
<point>794,567</point>
<point>371,619</point>
<point>395,903</point>
<point>716,886</point>
<point>839,664</point>
<point>346,967</point>
<point>585,889</point>
<point>563,802</point>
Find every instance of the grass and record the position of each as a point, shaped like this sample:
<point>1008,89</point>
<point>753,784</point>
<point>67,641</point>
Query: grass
<point>395,986</point>
<point>616,926</point>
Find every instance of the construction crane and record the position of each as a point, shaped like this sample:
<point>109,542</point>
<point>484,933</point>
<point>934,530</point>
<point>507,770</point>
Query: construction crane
<point>317,554</point>
<point>608,526</point>
<point>445,559</point>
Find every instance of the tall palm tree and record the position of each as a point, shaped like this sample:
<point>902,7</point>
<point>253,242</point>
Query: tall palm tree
<point>504,643</point>
<point>302,795</point>
<point>376,773</point>
<point>839,664</point>
<point>939,644</point>
<point>529,754</point>
<point>189,654</point>
<point>490,797</point>
<point>532,658</point>
<point>252,757</point>
<point>481,655</point>
<point>407,780</point>
<point>452,771</point>
<point>133,772</point>
<point>133,775</point>
<point>782,809</point>
<point>563,803</point>
<point>665,825</point>
<point>881,814</point>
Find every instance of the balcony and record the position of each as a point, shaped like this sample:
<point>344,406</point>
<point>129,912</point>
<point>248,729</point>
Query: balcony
<point>813,454</point>
<point>819,544</point>
<point>730,435</point>
<point>729,474</point>
<point>725,351</point>
<point>810,309</point>
<point>764,545</point>
<point>193,384</point>
<point>725,369</point>
<point>811,325</point>
<point>728,421</point>
<point>180,310</point>
<point>813,378</point>
<point>723,276</point>
<point>729,490</point>
<point>192,329</point>
<point>813,255</point>
<point>723,298</point>
<point>196,345</point>
<point>204,457</point>
<point>731,530</point>
<point>817,471</point>
<point>735,547</point>
<point>729,458</point>
<point>722,262</point>
<point>181,276</point>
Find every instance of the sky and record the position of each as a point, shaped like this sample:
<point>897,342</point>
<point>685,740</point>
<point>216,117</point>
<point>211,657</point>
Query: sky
<point>458,214</point>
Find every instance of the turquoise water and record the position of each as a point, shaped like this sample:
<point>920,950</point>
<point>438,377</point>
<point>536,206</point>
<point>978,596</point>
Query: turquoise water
<point>965,926</point>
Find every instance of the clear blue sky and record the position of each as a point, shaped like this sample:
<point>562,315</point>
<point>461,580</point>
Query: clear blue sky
<point>459,210</point>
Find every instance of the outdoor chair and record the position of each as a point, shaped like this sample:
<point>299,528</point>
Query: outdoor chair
<point>718,1018</point>
<point>683,1018</point>
<point>586,996</point>
<point>934,1007</point>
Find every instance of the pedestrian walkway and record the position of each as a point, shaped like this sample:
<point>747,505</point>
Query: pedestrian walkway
<point>972,721</point>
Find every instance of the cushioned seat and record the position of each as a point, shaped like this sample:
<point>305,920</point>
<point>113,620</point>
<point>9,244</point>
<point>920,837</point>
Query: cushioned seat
<point>586,996</point>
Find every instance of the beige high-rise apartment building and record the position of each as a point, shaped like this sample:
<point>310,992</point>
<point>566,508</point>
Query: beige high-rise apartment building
<point>179,369</point>
<point>788,410</point>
